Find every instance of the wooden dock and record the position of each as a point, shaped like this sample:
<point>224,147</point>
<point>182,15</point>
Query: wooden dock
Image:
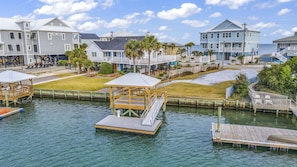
<point>128,124</point>
<point>252,136</point>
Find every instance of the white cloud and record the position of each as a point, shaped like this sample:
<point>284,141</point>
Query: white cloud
<point>266,5</point>
<point>163,28</point>
<point>262,25</point>
<point>232,4</point>
<point>88,26</point>
<point>216,14</point>
<point>65,7</point>
<point>148,16</point>
<point>294,29</point>
<point>283,1</point>
<point>78,17</point>
<point>282,32</point>
<point>185,10</point>
<point>284,11</point>
<point>107,3</point>
<point>195,23</point>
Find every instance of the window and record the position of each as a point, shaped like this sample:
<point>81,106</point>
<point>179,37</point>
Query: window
<point>63,36</point>
<point>49,36</point>
<point>10,49</point>
<point>18,48</point>
<point>11,35</point>
<point>29,47</point>
<point>35,48</point>
<point>218,35</point>
<point>94,54</point>
<point>27,25</point>
<point>67,47</point>
<point>210,45</point>
<point>237,35</point>
<point>20,35</point>
<point>217,45</point>
<point>211,36</point>
<point>223,35</point>
<point>229,34</point>
<point>28,35</point>
<point>33,35</point>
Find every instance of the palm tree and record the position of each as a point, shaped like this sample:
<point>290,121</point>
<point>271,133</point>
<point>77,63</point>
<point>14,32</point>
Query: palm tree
<point>149,43</point>
<point>181,51</point>
<point>77,56</point>
<point>133,51</point>
<point>189,45</point>
<point>210,52</point>
<point>165,45</point>
<point>172,46</point>
<point>240,58</point>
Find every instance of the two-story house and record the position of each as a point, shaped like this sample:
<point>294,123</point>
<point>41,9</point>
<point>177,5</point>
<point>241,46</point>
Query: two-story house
<point>287,46</point>
<point>230,39</point>
<point>112,51</point>
<point>35,42</point>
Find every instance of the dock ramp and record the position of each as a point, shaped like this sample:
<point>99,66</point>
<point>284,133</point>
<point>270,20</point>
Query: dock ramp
<point>151,112</point>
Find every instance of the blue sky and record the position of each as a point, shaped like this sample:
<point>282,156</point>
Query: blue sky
<point>178,21</point>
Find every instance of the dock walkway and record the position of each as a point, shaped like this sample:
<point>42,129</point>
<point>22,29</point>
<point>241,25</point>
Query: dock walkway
<point>252,136</point>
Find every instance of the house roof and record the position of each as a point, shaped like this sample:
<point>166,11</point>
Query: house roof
<point>40,24</point>
<point>230,25</point>
<point>117,43</point>
<point>10,76</point>
<point>287,39</point>
<point>134,80</point>
<point>88,36</point>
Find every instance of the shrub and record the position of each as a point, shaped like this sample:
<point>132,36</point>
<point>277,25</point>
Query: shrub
<point>106,68</point>
<point>63,62</point>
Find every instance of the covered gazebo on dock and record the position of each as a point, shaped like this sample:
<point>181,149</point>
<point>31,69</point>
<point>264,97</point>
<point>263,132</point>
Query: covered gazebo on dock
<point>133,92</point>
<point>12,88</point>
<point>137,101</point>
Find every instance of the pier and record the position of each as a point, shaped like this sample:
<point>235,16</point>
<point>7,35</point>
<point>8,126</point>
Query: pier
<point>254,136</point>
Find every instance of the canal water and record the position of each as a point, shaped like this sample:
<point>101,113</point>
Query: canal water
<point>61,133</point>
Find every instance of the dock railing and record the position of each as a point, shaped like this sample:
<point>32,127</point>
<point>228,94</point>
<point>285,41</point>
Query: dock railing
<point>151,112</point>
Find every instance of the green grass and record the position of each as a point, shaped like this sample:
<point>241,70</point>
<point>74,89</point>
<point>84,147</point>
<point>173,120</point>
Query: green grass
<point>76,83</point>
<point>196,90</point>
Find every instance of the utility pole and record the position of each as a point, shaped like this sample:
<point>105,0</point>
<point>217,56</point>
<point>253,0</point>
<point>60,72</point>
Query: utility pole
<point>244,34</point>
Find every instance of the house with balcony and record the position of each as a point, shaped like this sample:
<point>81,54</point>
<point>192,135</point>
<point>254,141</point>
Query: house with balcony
<point>230,39</point>
<point>112,51</point>
<point>39,42</point>
<point>286,47</point>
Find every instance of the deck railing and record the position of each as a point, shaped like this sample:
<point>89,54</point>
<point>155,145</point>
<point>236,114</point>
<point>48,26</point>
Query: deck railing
<point>150,114</point>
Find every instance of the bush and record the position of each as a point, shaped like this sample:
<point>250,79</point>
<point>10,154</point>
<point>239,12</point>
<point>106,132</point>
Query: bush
<point>63,62</point>
<point>106,68</point>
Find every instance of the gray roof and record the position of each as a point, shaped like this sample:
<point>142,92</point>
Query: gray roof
<point>287,39</point>
<point>37,25</point>
<point>231,26</point>
<point>134,80</point>
<point>88,36</point>
<point>10,76</point>
<point>117,43</point>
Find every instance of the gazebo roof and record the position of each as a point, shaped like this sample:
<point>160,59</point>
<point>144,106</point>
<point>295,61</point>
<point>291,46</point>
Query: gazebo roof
<point>134,80</point>
<point>10,76</point>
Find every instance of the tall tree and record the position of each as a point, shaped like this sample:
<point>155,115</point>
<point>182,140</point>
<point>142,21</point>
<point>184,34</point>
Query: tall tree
<point>189,45</point>
<point>180,51</point>
<point>133,51</point>
<point>149,44</point>
<point>165,47</point>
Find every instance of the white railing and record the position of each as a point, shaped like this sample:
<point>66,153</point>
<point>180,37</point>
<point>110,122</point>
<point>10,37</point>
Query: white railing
<point>143,61</point>
<point>149,116</point>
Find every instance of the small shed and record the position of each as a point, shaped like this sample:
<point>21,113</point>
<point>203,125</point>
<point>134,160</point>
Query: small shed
<point>133,92</point>
<point>13,86</point>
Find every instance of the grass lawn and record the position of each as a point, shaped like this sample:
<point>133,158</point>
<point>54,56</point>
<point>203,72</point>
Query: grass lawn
<point>196,90</point>
<point>76,83</point>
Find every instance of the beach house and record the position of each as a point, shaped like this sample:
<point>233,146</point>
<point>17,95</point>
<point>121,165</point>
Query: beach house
<point>35,43</point>
<point>230,39</point>
<point>287,46</point>
<point>110,49</point>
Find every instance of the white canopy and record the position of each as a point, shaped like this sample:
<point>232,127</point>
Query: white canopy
<point>134,80</point>
<point>11,76</point>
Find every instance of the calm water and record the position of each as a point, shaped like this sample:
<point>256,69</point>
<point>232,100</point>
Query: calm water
<point>61,133</point>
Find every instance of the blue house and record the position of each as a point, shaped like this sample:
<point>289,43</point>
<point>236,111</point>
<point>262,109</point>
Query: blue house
<point>230,39</point>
